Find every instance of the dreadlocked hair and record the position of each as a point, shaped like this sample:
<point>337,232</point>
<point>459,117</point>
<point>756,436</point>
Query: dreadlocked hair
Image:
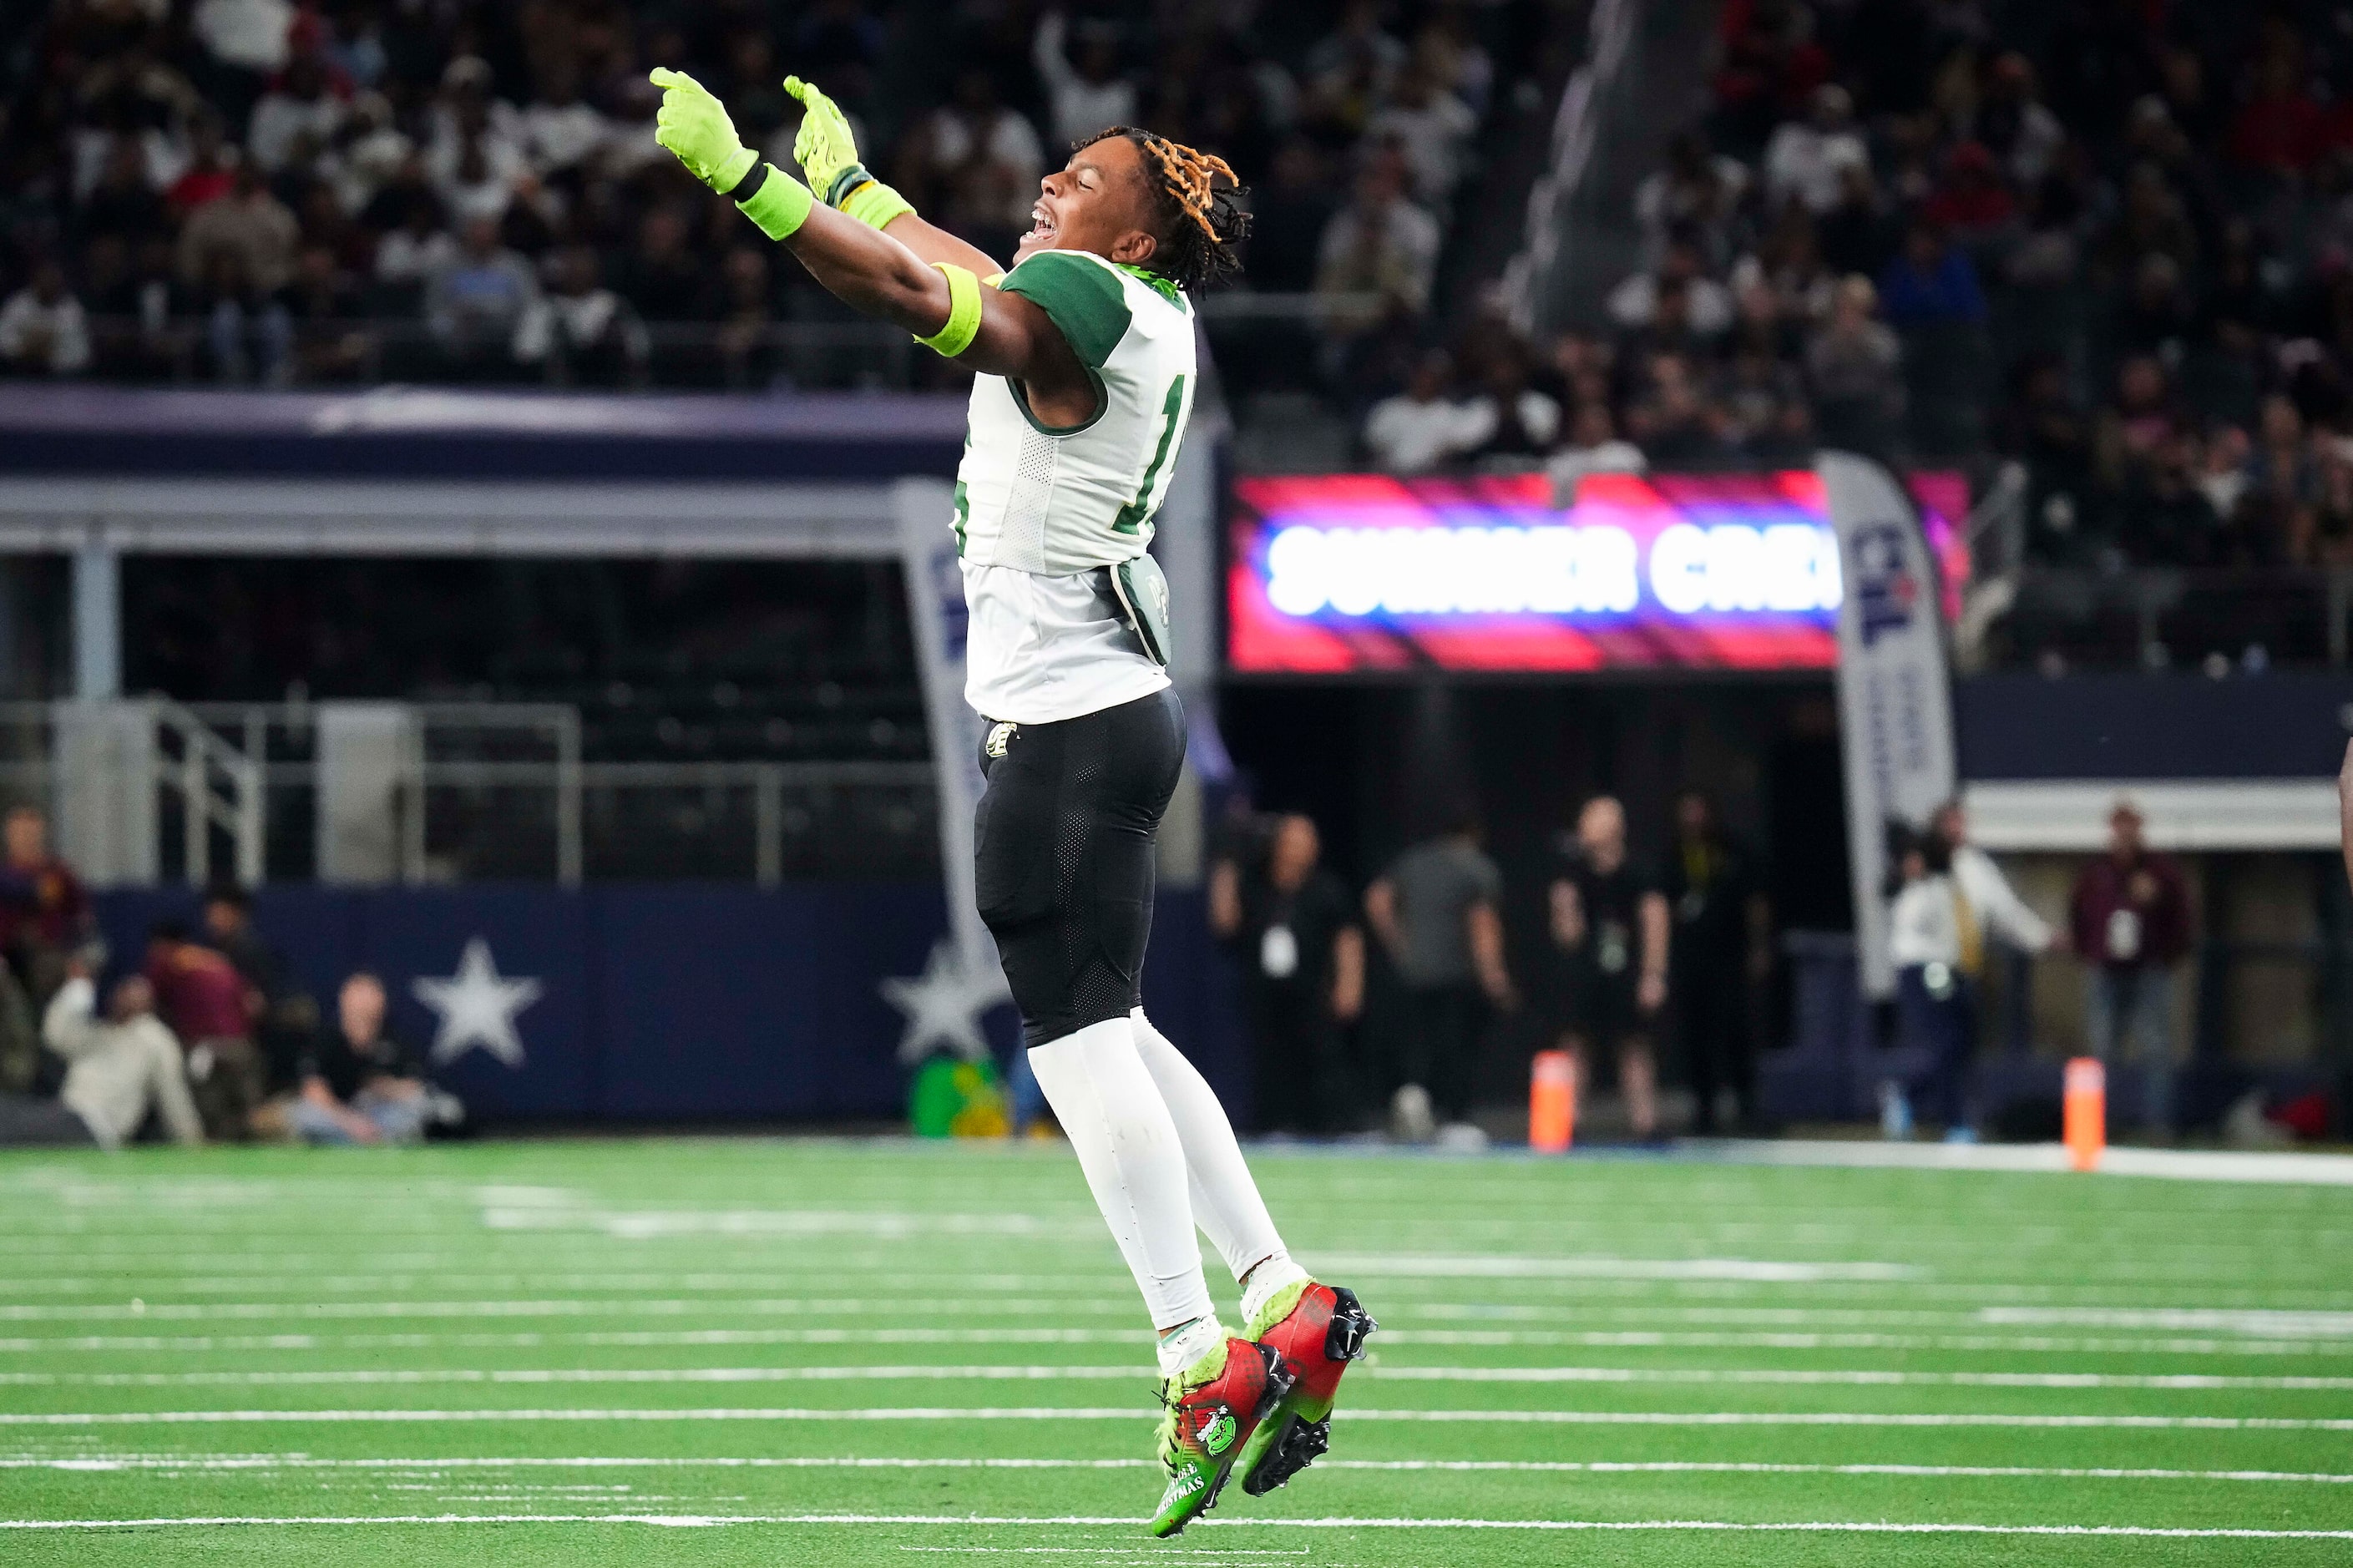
<point>1198,203</point>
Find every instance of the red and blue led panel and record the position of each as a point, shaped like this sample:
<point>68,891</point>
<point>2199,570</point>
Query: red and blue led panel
<point>1347,573</point>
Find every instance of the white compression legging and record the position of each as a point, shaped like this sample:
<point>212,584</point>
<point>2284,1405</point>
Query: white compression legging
<point>1159,1153</point>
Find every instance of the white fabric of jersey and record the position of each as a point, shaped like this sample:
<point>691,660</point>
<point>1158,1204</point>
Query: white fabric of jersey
<point>1040,512</point>
<point>1044,648</point>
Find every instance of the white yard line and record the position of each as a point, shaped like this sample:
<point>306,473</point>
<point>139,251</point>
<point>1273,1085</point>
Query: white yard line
<point>701,1521</point>
<point>233,1462</point>
<point>1702,1376</point>
<point>1594,1339</point>
<point>1132,1413</point>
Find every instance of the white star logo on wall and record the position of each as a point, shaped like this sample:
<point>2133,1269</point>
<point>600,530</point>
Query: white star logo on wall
<point>477,1007</point>
<point>944,1003</point>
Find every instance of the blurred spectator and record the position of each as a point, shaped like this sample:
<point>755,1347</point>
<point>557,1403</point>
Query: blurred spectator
<point>1699,304</point>
<point>476,304</point>
<point>1508,422</point>
<point>45,913</point>
<point>120,1068</point>
<point>1931,281</point>
<point>322,308</point>
<point>2014,124</point>
<point>298,113</point>
<point>1971,203</point>
<point>1853,365</point>
<point>1303,958</point>
<point>411,253</point>
<point>662,276</point>
<point>361,1084</point>
<point>1807,160</point>
<point>42,329</point>
<point>1720,949</point>
<point>1432,126</point>
<point>287,1015</point>
<point>1088,93</point>
<point>1593,447</point>
<point>560,130</point>
<point>209,1006</point>
<point>1985,892</point>
<point>1697,194</point>
<point>1438,913</point>
<point>1289,211</point>
<point>1380,244</point>
<point>1938,954</point>
<point>976,164</point>
<point>1421,428</point>
<point>246,234</point>
<point>2130,914</point>
<point>1609,923</point>
<point>586,334</point>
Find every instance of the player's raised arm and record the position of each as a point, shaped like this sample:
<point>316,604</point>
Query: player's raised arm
<point>827,150</point>
<point>943,304</point>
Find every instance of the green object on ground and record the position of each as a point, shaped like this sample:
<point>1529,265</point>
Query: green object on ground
<point>952,1097</point>
<point>582,1354</point>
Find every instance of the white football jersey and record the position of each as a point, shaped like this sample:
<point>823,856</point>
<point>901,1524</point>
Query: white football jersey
<point>1040,512</point>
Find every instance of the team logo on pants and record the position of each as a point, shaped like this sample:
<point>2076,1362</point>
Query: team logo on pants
<point>1000,737</point>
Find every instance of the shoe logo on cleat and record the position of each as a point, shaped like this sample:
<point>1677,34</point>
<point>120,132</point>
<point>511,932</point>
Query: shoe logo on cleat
<point>1218,1433</point>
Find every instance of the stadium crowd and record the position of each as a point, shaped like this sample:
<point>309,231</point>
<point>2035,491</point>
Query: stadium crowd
<point>258,191</point>
<point>202,1036</point>
<point>2110,238</point>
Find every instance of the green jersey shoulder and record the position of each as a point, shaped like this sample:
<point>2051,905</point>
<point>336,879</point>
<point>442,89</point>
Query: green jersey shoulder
<point>1059,501</point>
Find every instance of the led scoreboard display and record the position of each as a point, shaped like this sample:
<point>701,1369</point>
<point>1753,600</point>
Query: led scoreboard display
<point>1342,573</point>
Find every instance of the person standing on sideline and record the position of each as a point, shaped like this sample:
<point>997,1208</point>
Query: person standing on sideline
<point>2129,917</point>
<point>1437,914</point>
<point>1938,948</point>
<point>1610,926</point>
<point>1720,948</point>
<point>1992,903</point>
<point>1303,964</point>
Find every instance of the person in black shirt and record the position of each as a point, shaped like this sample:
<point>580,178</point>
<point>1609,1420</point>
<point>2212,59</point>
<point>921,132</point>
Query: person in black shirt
<point>360,1083</point>
<point>1303,958</point>
<point>1609,933</point>
<point>1719,949</point>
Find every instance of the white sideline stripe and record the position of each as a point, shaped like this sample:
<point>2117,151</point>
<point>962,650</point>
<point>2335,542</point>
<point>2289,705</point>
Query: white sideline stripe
<point>2272,1321</point>
<point>1825,1376</point>
<point>1509,1266</point>
<point>768,1462</point>
<point>710,1520</point>
<point>2183,1164</point>
<point>1134,1412</point>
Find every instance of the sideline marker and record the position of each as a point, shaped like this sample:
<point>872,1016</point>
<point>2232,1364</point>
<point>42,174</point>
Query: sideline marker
<point>2086,1113</point>
<point>1552,1102</point>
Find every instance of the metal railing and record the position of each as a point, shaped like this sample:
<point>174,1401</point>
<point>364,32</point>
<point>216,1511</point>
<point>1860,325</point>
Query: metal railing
<point>495,791</point>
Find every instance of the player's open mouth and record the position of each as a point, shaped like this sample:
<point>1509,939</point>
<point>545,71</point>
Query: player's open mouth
<point>1041,222</point>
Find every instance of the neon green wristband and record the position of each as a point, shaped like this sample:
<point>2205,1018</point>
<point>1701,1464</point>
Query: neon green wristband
<point>875,204</point>
<point>779,206</point>
<point>964,312</point>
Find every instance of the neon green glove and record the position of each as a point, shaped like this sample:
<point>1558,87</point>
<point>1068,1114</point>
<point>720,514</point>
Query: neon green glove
<point>695,125</point>
<point>827,150</point>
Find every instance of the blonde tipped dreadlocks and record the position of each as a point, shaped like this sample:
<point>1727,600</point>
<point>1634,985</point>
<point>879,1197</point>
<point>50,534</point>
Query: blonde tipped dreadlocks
<point>1199,204</point>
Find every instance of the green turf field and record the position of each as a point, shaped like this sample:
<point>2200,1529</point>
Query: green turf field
<point>739,1351</point>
